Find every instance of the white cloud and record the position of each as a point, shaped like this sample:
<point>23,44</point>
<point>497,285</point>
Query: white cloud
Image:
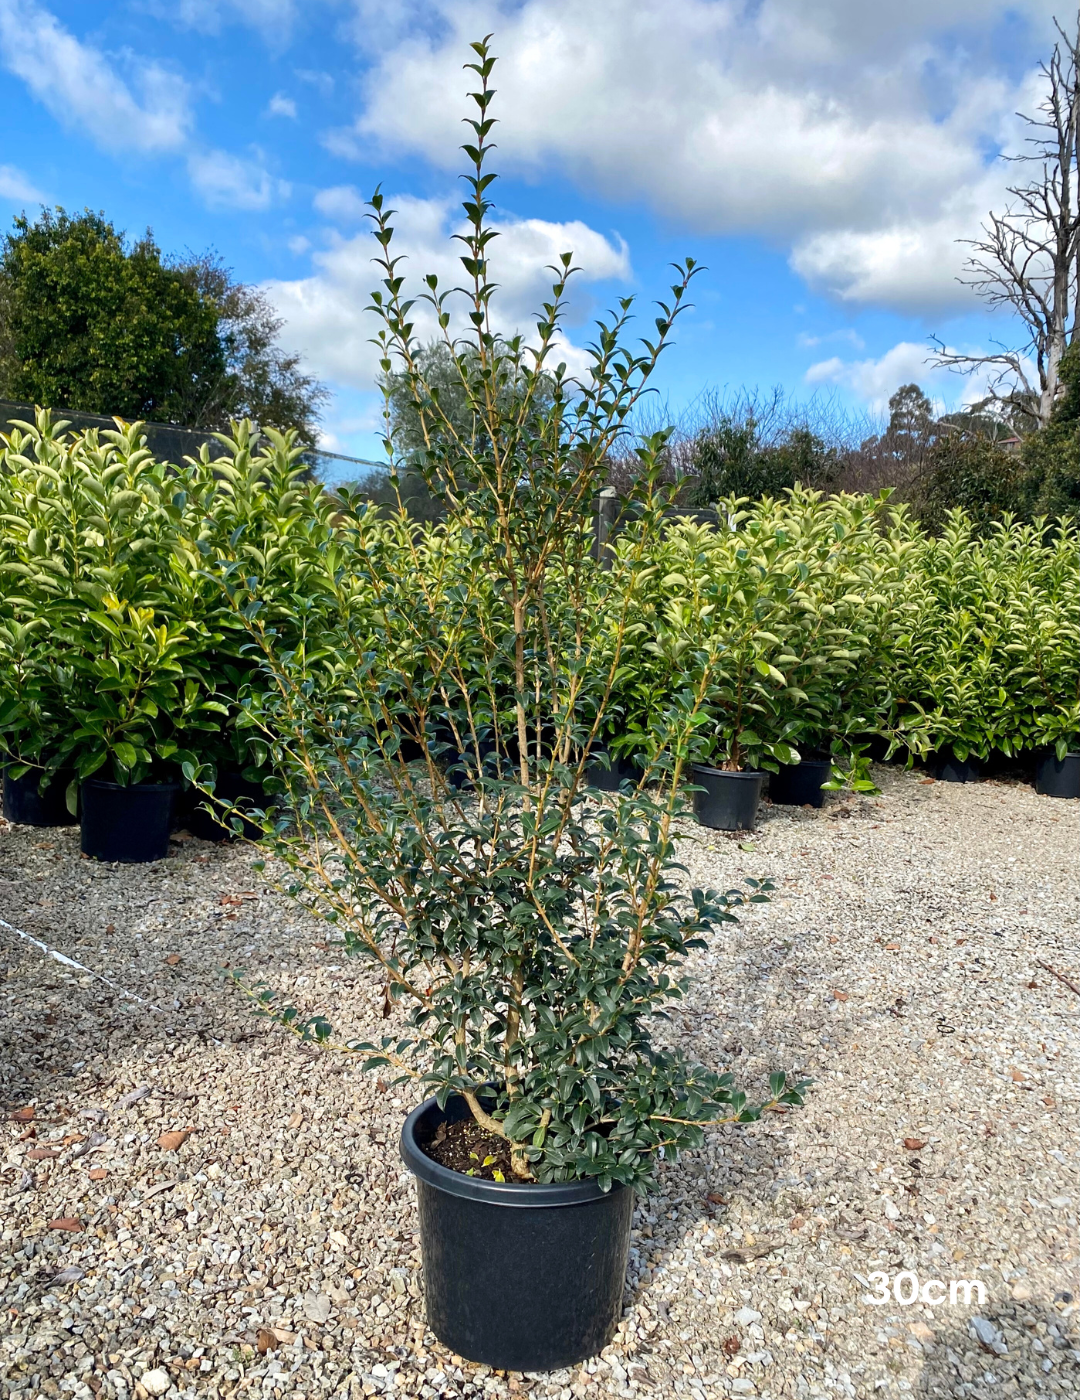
<point>322,82</point>
<point>82,87</point>
<point>273,17</point>
<point>876,380</point>
<point>810,342</point>
<point>859,136</point>
<point>298,245</point>
<point>325,316</point>
<point>19,188</point>
<point>227,181</point>
<point>281,106</point>
<point>341,204</point>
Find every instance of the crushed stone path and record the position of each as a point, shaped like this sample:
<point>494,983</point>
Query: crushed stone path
<point>194,1204</point>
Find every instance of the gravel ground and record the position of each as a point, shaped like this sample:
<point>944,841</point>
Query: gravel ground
<point>273,1251</point>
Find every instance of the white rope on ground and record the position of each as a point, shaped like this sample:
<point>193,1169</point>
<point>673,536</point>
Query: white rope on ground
<point>70,962</point>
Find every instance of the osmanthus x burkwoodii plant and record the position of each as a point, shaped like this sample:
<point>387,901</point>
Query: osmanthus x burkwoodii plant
<point>534,929</point>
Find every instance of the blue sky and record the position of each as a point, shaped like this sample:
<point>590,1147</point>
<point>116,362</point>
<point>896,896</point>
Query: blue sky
<point>821,157</point>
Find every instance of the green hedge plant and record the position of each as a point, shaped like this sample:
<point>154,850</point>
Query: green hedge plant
<point>104,676</point>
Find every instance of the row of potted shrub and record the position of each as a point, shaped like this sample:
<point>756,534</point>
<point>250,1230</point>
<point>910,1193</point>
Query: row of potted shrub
<point>843,628</point>
<point>120,660</point>
<point>828,620</point>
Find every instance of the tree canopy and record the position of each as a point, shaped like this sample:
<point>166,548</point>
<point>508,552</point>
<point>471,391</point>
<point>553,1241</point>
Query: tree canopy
<point>91,322</point>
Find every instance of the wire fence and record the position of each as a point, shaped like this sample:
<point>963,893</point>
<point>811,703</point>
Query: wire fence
<point>170,442</point>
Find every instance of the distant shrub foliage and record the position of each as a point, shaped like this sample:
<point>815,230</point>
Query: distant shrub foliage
<point>830,619</point>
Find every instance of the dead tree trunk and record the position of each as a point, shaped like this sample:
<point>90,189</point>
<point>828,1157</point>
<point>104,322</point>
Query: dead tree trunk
<point>1028,260</point>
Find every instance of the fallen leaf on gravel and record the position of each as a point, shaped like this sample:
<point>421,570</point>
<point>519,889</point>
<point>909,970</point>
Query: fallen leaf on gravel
<point>317,1307</point>
<point>840,996</point>
<point>296,1120</point>
<point>754,1251</point>
<point>134,1096</point>
<point>172,1142</point>
<point>98,1174</point>
<point>715,1199</point>
<point>927,781</point>
<point>173,959</point>
<point>1018,1077</point>
<point>284,1336</point>
<point>66,1222</point>
<point>31,1132</point>
<point>730,1346</point>
<point>229,899</point>
<point>892,947</point>
<point>42,1154</point>
<point>1049,1103</point>
<point>23,1115</point>
<point>265,1341</point>
<point>797,1222</point>
<point>72,1274</point>
<point>914,1144</point>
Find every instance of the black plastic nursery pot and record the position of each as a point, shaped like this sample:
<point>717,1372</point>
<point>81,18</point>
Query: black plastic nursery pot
<point>521,1277</point>
<point>129,824</point>
<point>605,778</point>
<point>1058,777</point>
<point>799,784</point>
<point>726,801</point>
<point>947,768</point>
<point>231,787</point>
<point>26,806</point>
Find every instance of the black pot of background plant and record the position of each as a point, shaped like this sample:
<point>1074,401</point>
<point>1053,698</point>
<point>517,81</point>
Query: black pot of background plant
<point>568,1240</point>
<point>726,800</point>
<point>129,824</point>
<point>874,746</point>
<point>799,784</point>
<point>1058,777</point>
<point>606,773</point>
<point>205,820</point>
<point>947,768</point>
<point>26,805</point>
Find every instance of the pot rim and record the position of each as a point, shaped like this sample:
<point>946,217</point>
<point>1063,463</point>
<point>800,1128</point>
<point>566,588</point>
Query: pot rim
<point>496,1193</point>
<point>756,773</point>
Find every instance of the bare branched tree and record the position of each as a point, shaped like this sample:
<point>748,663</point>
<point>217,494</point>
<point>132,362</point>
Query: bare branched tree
<point>1029,257</point>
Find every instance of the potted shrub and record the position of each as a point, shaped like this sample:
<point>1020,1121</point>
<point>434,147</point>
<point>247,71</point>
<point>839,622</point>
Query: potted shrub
<point>35,789</point>
<point>529,928</point>
<point>92,532</point>
<point>1037,705</point>
<point>947,665</point>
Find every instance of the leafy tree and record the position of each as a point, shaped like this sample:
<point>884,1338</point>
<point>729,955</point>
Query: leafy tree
<point>96,325</point>
<point>970,471</point>
<point>260,380</point>
<point>1051,457</point>
<point>90,322</point>
<point>729,458</point>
